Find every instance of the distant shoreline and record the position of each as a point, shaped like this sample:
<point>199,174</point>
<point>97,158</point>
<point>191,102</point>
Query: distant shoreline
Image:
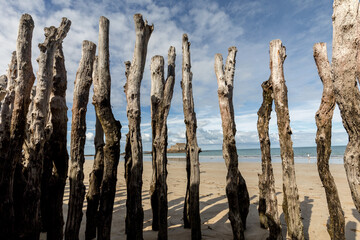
<point>301,155</point>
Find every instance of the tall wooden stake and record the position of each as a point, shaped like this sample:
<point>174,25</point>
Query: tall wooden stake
<point>192,205</point>
<point>34,169</point>
<point>291,204</point>
<point>3,84</point>
<point>345,65</point>
<point>101,101</point>
<point>56,158</point>
<point>11,145</point>
<point>96,176</point>
<point>78,129</point>
<point>268,212</point>
<point>133,148</point>
<point>161,95</point>
<point>236,190</point>
<point>7,104</point>
<point>323,117</point>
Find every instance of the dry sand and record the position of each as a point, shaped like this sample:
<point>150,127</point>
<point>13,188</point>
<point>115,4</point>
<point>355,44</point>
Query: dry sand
<point>214,206</point>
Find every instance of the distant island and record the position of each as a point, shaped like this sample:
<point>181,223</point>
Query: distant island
<point>177,148</point>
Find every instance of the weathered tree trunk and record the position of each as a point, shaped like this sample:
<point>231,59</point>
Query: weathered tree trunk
<point>192,205</point>
<point>11,145</point>
<point>7,104</point>
<point>323,117</point>
<point>20,181</point>
<point>161,95</point>
<point>78,129</point>
<point>5,120</point>
<point>291,204</point>
<point>133,148</point>
<point>33,170</point>
<point>268,212</point>
<point>101,101</point>
<point>3,86</point>
<point>56,156</point>
<point>347,95</point>
<point>236,190</point>
<point>96,176</point>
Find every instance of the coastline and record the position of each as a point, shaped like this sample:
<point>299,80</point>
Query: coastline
<point>301,155</point>
<point>242,159</point>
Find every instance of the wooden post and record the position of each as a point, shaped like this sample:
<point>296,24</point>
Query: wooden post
<point>161,95</point>
<point>291,204</point>
<point>5,124</point>
<point>3,84</point>
<point>101,101</point>
<point>11,145</point>
<point>347,95</point>
<point>323,117</point>
<point>56,156</point>
<point>32,192</point>
<point>78,129</point>
<point>236,190</point>
<point>133,148</point>
<point>192,205</point>
<point>7,104</point>
<point>96,176</point>
<point>268,212</point>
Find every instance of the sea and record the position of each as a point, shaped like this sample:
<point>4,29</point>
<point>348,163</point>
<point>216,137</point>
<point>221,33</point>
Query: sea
<point>301,155</point>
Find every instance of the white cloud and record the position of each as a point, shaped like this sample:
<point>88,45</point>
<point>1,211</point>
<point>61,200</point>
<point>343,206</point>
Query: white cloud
<point>89,136</point>
<point>212,26</point>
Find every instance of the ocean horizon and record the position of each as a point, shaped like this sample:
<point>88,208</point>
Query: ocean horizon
<point>301,155</point>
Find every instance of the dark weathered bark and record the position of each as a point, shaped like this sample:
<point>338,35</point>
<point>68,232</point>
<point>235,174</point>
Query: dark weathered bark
<point>3,86</point>
<point>291,204</point>
<point>11,145</point>
<point>344,67</point>
<point>96,176</point>
<point>161,95</point>
<point>32,192</point>
<point>7,104</point>
<point>192,205</point>
<point>5,119</point>
<point>56,158</point>
<point>78,129</point>
<point>101,101</point>
<point>20,181</point>
<point>268,212</point>
<point>236,190</point>
<point>323,117</point>
<point>133,148</point>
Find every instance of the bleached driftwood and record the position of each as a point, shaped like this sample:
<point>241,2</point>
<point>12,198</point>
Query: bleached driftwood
<point>291,204</point>
<point>323,117</point>
<point>236,190</point>
<point>78,129</point>
<point>133,148</point>
<point>161,95</point>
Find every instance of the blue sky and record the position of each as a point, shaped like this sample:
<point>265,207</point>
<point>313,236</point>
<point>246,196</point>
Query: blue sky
<point>212,27</point>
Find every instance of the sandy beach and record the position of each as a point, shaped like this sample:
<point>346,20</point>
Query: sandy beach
<point>214,206</point>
